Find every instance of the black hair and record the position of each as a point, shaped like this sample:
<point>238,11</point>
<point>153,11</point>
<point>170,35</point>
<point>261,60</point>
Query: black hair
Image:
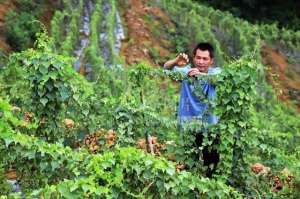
<point>205,46</point>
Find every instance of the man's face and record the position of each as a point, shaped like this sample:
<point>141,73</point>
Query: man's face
<point>202,60</point>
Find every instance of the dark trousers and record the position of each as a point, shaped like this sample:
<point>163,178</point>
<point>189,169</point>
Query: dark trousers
<point>211,155</point>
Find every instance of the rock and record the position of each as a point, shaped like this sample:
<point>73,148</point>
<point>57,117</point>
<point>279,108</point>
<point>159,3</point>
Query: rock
<point>15,109</point>
<point>141,143</point>
<point>278,185</point>
<point>69,123</point>
<point>179,167</point>
<point>11,174</point>
<point>260,169</point>
<point>15,186</point>
<point>110,137</point>
<point>28,116</point>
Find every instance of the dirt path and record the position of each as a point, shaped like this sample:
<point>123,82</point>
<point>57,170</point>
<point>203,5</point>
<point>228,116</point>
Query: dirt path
<point>140,41</point>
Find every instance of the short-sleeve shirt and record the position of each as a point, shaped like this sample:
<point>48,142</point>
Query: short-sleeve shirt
<point>190,107</point>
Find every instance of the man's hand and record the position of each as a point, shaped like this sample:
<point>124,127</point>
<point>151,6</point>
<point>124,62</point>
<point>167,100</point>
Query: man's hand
<point>195,72</point>
<point>182,59</point>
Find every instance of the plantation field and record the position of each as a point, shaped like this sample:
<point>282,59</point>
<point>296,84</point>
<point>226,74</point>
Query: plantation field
<point>81,116</point>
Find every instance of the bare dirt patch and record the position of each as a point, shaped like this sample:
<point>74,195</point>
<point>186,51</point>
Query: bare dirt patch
<point>282,75</point>
<point>140,43</point>
<point>5,7</point>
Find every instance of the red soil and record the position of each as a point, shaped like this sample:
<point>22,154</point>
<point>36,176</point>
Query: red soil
<point>279,74</point>
<point>135,47</point>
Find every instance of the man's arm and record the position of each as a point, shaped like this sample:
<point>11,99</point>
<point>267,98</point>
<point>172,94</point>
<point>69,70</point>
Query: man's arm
<point>181,60</point>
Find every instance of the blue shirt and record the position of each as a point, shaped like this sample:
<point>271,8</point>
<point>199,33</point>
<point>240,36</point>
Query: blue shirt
<point>190,107</point>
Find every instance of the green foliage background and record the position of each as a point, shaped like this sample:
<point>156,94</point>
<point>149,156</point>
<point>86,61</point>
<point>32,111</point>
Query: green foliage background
<point>285,14</point>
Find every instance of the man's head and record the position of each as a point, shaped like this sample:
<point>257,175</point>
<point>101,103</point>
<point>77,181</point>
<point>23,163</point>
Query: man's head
<point>203,56</point>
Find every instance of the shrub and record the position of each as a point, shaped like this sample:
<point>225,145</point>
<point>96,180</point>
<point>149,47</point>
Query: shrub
<point>21,29</point>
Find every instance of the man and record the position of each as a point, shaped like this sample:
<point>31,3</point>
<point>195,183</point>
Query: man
<point>190,106</point>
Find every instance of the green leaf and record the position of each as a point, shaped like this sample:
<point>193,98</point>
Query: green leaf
<point>64,95</point>
<point>148,162</point>
<point>63,189</point>
<point>7,142</point>
<point>43,69</point>
<point>54,165</point>
<point>44,101</point>
<point>85,188</point>
<point>85,112</point>
<point>76,97</point>
<point>170,171</point>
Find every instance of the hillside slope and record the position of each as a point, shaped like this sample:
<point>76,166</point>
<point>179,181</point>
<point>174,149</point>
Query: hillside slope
<point>140,43</point>
<point>68,134</point>
<point>146,39</point>
<point>5,6</point>
<point>283,76</point>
